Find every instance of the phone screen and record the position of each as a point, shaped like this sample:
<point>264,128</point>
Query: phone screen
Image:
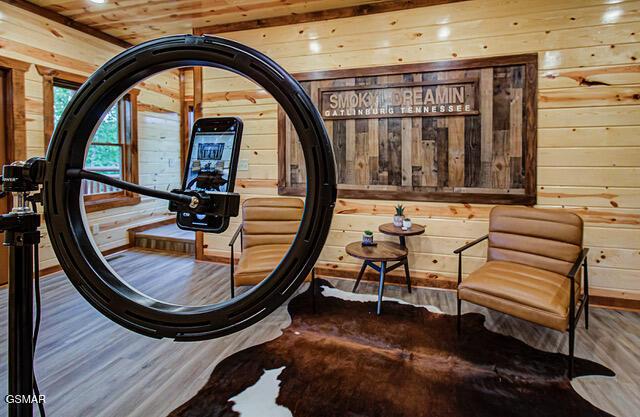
<point>211,167</point>
<point>210,161</point>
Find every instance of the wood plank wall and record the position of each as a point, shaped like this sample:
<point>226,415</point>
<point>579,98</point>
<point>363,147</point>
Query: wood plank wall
<point>589,118</point>
<point>33,39</point>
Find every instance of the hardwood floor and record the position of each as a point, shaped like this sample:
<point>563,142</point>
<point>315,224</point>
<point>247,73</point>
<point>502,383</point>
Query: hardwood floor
<point>89,366</point>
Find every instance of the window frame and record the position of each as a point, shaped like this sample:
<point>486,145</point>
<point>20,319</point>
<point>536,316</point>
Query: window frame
<point>127,136</point>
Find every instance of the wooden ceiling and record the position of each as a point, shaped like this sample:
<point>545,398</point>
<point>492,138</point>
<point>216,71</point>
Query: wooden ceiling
<point>135,21</point>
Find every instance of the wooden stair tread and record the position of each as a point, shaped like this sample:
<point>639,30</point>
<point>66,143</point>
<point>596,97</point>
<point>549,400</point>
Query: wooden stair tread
<point>164,236</point>
<point>168,232</point>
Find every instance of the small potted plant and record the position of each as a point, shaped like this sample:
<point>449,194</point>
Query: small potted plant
<point>399,217</point>
<point>406,223</point>
<point>367,238</point>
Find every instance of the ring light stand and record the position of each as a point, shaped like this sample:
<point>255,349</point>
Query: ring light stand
<point>61,175</point>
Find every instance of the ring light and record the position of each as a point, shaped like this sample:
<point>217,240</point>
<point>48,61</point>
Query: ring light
<point>64,214</point>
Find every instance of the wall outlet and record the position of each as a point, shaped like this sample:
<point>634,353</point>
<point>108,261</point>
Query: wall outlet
<point>243,165</point>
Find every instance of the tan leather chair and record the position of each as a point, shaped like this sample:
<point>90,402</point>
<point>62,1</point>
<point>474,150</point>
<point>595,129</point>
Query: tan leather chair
<point>533,269</point>
<point>267,230</point>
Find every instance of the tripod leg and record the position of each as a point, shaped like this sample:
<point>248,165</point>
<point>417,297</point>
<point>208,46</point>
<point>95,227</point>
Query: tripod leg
<point>20,327</point>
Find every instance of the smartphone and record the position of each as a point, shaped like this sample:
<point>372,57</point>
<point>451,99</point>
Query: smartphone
<point>211,166</point>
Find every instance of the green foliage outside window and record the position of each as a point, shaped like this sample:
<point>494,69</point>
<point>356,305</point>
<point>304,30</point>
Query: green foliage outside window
<point>98,155</point>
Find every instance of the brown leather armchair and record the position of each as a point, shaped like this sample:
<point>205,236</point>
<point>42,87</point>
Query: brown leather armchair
<point>266,232</point>
<point>533,267</point>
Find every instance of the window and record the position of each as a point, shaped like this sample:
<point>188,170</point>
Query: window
<point>105,152</point>
<point>113,147</point>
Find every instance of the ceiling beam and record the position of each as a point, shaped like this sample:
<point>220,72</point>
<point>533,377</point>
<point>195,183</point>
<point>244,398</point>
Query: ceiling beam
<point>338,13</point>
<point>63,20</point>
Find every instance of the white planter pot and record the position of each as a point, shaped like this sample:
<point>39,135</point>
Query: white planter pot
<point>367,240</point>
<point>406,224</point>
<point>397,221</point>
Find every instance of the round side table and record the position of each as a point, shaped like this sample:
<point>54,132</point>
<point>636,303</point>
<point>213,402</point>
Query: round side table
<point>383,252</point>
<point>393,230</point>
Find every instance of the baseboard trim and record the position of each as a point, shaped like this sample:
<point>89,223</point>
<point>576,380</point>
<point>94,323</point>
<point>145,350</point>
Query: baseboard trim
<point>418,279</point>
<point>219,258</point>
<point>599,297</point>
<point>614,299</point>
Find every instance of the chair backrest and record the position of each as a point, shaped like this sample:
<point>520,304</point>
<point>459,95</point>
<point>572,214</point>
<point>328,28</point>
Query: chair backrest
<point>268,221</point>
<point>542,238</point>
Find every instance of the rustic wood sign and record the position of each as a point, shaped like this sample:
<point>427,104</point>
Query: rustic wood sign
<point>456,131</point>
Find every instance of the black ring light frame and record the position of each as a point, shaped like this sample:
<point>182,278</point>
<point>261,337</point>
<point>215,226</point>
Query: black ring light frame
<point>64,214</point>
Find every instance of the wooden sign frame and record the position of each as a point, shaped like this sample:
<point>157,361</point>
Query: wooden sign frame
<point>527,196</point>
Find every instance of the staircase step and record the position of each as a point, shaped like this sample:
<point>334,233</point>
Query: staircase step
<point>166,244</point>
<point>166,238</point>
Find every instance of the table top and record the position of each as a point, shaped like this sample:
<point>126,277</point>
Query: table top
<point>390,229</point>
<point>383,251</point>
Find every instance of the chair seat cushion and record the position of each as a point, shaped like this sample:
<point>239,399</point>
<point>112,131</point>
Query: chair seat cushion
<point>257,262</point>
<point>523,291</point>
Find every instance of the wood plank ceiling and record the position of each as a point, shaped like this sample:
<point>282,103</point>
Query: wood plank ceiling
<point>138,20</point>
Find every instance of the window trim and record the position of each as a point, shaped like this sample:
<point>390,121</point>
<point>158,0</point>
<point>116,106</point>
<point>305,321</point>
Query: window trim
<point>15,134</point>
<point>127,132</point>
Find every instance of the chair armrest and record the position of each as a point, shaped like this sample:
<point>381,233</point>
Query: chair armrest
<point>578,263</point>
<point>235,235</point>
<point>468,245</point>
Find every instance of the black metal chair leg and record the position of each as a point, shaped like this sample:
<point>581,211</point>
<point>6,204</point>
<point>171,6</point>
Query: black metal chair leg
<point>586,294</point>
<point>232,270</point>
<point>572,323</point>
<point>313,290</point>
<point>364,266</point>
<point>572,339</point>
<point>383,268</point>
<point>458,316</point>
<point>586,311</point>
<point>407,274</point>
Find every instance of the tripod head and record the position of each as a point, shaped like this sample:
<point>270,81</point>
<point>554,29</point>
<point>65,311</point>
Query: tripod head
<point>23,178</point>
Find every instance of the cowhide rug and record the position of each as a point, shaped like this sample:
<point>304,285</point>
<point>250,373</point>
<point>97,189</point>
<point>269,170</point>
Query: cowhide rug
<point>345,361</point>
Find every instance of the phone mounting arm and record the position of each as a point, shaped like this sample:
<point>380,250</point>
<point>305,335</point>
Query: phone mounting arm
<point>221,204</point>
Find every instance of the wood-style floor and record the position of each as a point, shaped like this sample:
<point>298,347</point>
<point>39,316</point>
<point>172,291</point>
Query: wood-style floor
<point>89,366</point>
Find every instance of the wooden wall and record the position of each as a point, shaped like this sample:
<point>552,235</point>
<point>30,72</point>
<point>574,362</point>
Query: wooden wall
<point>36,40</point>
<point>589,119</point>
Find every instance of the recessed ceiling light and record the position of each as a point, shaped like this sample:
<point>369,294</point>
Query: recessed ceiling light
<point>98,1</point>
<point>314,46</point>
